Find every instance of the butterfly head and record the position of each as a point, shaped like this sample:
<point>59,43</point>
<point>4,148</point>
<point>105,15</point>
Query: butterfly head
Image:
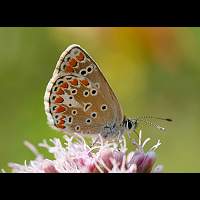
<point>132,124</point>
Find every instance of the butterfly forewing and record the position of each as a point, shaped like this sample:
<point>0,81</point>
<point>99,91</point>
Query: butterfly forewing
<point>78,97</point>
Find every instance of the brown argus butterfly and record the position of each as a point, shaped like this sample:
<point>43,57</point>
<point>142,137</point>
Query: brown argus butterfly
<point>79,99</point>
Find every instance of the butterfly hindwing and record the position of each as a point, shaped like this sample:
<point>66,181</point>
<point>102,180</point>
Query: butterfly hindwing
<point>78,97</point>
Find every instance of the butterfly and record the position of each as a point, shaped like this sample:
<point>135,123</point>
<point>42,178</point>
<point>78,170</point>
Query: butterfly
<point>79,99</point>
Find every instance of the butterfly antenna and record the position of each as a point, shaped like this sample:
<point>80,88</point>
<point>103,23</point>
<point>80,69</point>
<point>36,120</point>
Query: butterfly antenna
<point>151,117</point>
<point>152,124</point>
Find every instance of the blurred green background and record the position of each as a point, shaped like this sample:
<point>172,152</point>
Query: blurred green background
<point>153,71</point>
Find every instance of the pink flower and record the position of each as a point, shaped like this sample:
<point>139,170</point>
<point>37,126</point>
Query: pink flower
<point>75,156</point>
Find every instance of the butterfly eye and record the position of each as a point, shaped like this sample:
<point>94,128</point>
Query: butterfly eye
<point>129,124</point>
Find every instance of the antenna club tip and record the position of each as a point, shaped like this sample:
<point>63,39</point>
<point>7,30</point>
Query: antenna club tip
<point>169,120</point>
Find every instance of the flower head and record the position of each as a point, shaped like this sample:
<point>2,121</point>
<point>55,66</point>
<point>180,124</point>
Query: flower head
<point>75,156</point>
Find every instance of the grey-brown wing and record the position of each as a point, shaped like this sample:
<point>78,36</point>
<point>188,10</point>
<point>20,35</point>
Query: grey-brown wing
<point>78,97</point>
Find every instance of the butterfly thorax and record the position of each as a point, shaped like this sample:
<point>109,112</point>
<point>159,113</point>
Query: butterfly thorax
<point>112,129</point>
<point>115,128</point>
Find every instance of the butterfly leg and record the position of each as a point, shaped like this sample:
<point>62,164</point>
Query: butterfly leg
<point>95,141</point>
<point>119,135</point>
<point>136,133</point>
<point>129,136</point>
